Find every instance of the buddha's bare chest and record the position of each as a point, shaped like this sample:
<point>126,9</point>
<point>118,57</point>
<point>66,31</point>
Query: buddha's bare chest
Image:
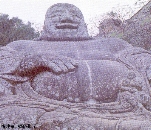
<point>83,50</point>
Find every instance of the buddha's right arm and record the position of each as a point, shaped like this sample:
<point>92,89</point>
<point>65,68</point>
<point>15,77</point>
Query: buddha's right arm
<point>30,66</point>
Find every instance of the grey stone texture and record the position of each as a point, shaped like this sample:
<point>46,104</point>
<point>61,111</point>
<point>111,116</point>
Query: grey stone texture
<point>67,23</point>
<point>71,81</point>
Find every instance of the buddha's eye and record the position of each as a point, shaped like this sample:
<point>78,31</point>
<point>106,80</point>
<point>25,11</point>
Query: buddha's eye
<point>55,15</point>
<point>75,15</point>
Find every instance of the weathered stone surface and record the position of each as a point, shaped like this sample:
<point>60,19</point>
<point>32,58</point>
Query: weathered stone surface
<point>67,23</point>
<point>68,84</point>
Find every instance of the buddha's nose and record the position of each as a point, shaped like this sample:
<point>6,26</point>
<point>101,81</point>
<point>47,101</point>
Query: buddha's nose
<point>68,18</point>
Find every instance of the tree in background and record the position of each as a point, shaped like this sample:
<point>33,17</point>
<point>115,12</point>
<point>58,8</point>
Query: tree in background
<point>14,29</point>
<point>136,30</point>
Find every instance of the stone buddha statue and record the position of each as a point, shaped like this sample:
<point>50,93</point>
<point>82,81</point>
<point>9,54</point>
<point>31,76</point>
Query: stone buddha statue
<point>64,23</point>
<point>67,65</point>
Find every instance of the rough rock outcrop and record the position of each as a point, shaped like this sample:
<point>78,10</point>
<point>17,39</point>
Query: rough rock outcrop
<point>75,83</point>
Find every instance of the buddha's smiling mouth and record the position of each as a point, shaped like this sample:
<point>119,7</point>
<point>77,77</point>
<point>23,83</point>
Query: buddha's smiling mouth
<point>67,26</point>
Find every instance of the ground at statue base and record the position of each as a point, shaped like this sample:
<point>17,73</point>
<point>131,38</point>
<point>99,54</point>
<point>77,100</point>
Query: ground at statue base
<point>72,116</point>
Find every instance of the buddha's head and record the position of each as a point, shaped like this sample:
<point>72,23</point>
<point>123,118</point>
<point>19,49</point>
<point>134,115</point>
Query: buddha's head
<point>64,22</point>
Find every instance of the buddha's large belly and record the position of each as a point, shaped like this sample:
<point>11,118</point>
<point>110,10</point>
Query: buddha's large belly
<point>99,80</point>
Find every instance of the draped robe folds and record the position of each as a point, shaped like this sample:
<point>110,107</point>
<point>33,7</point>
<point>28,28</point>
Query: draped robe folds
<point>102,64</point>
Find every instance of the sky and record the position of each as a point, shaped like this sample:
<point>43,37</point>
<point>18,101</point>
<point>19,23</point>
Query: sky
<point>34,10</point>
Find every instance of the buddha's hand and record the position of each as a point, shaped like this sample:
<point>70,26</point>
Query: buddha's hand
<point>33,65</point>
<point>61,64</point>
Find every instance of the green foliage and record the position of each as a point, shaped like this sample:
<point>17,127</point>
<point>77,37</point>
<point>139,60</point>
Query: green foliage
<point>136,30</point>
<point>14,29</point>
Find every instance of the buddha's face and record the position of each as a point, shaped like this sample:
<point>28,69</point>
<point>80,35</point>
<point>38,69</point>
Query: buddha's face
<point>65,18</point>
<point>65,21</point>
